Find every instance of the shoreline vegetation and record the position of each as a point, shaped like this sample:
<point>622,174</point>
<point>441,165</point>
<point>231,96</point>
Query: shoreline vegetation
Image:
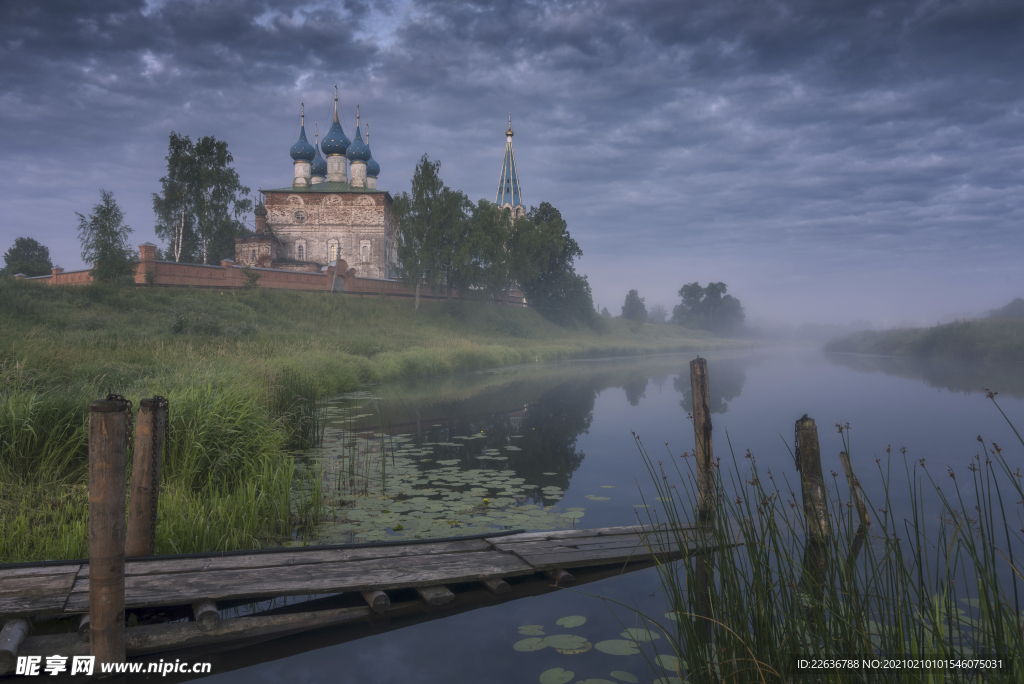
<point>990,340</point>
<point>938,596</point>
<point>244,373</point>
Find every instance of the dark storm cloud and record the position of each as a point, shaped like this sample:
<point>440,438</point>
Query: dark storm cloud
<point>720,140</point>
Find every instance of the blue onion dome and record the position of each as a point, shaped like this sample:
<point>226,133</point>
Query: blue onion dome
<point>319,165</point>
<point>358,150</point>
<point>335,142</point>
<point>302,150</point>
<point>372,167</point>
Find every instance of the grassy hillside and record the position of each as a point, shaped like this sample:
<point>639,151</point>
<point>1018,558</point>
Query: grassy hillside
<point>991,340</point>
<point>236,368</point>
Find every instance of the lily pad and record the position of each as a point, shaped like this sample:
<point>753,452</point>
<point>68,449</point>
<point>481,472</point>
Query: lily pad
<point>570,621</point>
<point>673,615</point>
<point>568,642</point>
<point>597,498</point>
<point>531,644</point>
<point>640,634</point>
<point>607,486</point>
<point>549,473</point>
<point>556,675</point>
<point>624,676</point>
<point>617,647</point>
<point>669,662</point>
<point>531,630</point>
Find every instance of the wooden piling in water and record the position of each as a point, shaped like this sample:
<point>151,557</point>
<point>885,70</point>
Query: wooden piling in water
<point>150,430</point>
<point>108,433</point>
<point>812,482</point>
<point>702,450</point>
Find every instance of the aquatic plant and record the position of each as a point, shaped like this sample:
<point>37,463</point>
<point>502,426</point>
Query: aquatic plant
<point>900,589</point>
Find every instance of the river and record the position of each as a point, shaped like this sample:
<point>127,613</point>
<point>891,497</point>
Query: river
<point>547,446</point>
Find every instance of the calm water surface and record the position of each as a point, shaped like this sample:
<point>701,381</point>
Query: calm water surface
<point>574,461</point>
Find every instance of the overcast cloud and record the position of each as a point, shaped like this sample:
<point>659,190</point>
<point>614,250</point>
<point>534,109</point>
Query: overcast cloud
<point>828,160</point>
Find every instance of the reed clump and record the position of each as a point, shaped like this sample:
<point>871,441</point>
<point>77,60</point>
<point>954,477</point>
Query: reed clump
<point>942,585</point>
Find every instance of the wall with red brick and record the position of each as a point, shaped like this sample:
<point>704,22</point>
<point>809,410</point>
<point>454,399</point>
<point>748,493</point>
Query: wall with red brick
<point>230,275</point>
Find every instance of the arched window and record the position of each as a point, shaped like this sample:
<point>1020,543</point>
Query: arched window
<point>300,252</point>
<point>333,252</point>
<point>364,250</point>
<point>253,255</point>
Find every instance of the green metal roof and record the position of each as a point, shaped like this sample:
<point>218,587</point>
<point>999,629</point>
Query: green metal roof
<point>328,186</point>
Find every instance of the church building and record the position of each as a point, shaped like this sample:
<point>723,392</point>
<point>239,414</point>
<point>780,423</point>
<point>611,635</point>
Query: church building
<point>333,210</point>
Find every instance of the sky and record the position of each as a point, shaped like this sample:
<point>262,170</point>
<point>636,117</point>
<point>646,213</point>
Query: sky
<point>829,160</point>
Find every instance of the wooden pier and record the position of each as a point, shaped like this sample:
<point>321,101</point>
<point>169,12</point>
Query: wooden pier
<point>201,586</point>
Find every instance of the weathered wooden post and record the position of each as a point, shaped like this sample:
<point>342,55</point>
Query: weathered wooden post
<point>108,436</point>
<point>812,482</point>
<point>150,430</point>
<point>700,388</point>
<point>702,438</point>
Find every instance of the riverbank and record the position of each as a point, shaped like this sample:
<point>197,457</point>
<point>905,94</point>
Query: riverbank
<point>235,368</point>
<point>984,339</point>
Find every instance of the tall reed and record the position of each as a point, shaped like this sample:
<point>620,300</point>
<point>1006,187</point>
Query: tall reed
<point>942,584</point>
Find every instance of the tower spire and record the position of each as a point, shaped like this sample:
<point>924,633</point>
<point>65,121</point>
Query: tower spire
<point>357,117</point>
<point>510,194</point>
<point>302,113</point>
<point>336,102</point>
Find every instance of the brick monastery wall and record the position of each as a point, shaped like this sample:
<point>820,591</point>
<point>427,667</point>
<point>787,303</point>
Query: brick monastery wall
<point>338,278</point>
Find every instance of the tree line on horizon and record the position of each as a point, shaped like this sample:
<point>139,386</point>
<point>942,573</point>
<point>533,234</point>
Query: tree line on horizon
<point>703,308</point>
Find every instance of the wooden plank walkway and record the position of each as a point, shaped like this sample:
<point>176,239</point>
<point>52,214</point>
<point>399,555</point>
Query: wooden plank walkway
<point>425,567</point>
<point>167,580</point>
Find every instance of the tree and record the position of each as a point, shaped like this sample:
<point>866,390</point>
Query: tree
<point>29,257</point>
<point>104,238</point>
<point>554,288</point>
<point>219,199</point>
<point>430,222</point>
<point>657,314</point>
<point>198,213</point>
<point>175,216</point>
<point>708,308</point>
<point>633,309</point>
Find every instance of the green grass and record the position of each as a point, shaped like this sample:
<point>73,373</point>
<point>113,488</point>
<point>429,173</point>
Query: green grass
<point>944,584</point>
<point>245,374</point>
<point>994,340</point>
